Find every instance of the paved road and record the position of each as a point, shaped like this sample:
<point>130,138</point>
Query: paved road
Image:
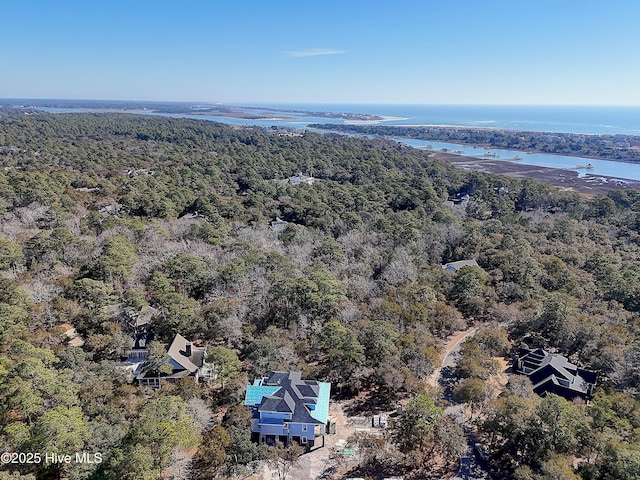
<point>470,468</point>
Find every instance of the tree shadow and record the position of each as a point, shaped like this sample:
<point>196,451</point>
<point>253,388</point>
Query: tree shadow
<point>372,403</point>
<point>447,381</point>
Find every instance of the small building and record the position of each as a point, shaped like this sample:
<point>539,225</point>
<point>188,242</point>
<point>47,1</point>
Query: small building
<point>110,209</point>
<point>279,225</point>
<point>286,408</point>
<point>553,373</point>
<point>139,321</point>
<point>461,198</point>
<point>455,266</point>
<point>301,179</point>
<point>380,421</point>
<point>194,217</point>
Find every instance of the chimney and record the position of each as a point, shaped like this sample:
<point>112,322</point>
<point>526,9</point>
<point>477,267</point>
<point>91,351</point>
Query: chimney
<point>188,350</point>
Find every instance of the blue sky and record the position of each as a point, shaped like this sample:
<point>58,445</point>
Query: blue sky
<point>368,51</point>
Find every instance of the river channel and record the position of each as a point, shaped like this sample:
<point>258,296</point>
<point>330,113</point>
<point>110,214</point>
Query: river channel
<point>597,167</point>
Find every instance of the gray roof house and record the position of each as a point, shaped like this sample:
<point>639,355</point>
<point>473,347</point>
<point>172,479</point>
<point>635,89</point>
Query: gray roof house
<point>279,225</point>
<point>553,373</point>
<point>139,321</point>
<point>301,179</point>
<point>455,266</point>
<point>286,408</point>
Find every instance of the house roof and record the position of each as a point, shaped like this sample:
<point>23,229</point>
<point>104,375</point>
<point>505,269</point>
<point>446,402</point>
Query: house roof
<point>254,394</point>
<point>279,225</point>
<point>74,338</point>
<point>552,372</point>
<point>184,358</point>
<point>186,354</point>
<point>455,266</point>
<point>144,316</point>
<point>557,364</point>
<point>321,412</point>
<point>300,178</point>
<point>279,403</point>
<point>307,401</point>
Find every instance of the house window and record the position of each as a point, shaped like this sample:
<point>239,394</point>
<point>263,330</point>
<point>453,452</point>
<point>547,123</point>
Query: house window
<point>304,428</point>
<point>304,440</point>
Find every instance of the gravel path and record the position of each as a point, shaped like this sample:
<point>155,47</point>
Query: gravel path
<point>322,462</point>
<point>446,359</point>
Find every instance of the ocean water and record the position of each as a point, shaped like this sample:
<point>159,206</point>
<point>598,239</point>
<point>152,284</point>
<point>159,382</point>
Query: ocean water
<point>568,119</point>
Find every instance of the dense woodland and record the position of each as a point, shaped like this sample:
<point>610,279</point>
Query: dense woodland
<point>91,232</point>
<point>624,148</point>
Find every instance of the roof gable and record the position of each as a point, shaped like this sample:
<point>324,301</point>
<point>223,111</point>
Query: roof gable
<point>552,372</point>
<point>185,354</point>
<point>307,401</point>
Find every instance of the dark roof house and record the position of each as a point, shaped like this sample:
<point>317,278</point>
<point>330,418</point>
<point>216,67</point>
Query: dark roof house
<point>286,408</point>
<point>553,373</point>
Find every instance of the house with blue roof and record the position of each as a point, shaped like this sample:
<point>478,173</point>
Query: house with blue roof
<point>286,408</point>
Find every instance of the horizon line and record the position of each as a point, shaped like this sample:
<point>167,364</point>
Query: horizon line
<point>288,102</point>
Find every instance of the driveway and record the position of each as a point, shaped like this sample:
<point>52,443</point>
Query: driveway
<point>470,466</point>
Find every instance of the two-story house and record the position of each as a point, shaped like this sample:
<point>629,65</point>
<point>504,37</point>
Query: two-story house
<point>286,408</point>
<point>186,360</point>
<point>553,373</point>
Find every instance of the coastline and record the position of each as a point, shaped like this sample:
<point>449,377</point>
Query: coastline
<point>599,147</point>
<point>374,122</point>
<point>587,186</point>
<point>486,146</point>
<point>237,114</point>
<point>497,128</point>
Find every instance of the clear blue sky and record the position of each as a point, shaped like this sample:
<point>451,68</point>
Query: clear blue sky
<point>329,51</point>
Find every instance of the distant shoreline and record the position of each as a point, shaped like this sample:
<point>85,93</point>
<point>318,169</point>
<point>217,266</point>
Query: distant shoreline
<point>622,148</point>
<point>588,186</point>
<point>585,119</point>
<point>374,122</point>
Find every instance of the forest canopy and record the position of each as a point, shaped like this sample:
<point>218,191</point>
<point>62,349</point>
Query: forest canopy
<point>107,217</point>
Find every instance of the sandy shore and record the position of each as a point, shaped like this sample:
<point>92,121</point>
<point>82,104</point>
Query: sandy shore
<point>373,122</point>
<point>588,185</point>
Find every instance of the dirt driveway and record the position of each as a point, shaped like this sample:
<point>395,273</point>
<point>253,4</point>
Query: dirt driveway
<point>453,342</point>
<point>325,462</point>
